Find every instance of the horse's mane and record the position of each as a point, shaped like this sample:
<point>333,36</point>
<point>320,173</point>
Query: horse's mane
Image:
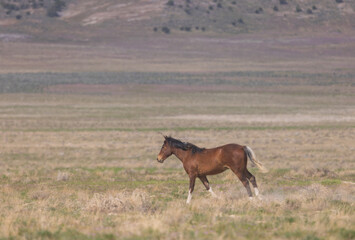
<point>183,145</point>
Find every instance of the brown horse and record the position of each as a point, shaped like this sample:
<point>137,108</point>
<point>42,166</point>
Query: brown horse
<point>200,162</point>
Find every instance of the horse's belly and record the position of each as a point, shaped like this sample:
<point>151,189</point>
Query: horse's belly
<point>213,171</point>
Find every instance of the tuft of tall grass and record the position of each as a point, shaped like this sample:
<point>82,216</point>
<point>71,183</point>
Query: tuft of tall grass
<point>138,201</point>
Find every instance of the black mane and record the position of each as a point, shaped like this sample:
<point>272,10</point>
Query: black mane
<point>183,145</point>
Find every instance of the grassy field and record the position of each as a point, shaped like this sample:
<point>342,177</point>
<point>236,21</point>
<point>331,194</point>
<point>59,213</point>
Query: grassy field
<point>85,96</point>
<point>78,150</point>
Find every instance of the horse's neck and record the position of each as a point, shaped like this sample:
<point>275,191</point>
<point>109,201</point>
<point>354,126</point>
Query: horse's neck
<point>180,154</point>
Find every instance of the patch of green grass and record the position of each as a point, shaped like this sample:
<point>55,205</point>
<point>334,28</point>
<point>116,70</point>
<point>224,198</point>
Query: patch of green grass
<point>294,182</point>
<point>101,185</point>
<point>37,82</point>
<point>290,219</point>
<point>241,227</point>
<point>66,234</point>
<point>298,234</point>
<point>148,233</point>
<point>329,182</point>
<point>20,156</point>
<point>306,182</point>
<point>312,237</point>
<point>4,178</point>
<point>279,172</point>
<point>344,233</point>
<point>102,169</point>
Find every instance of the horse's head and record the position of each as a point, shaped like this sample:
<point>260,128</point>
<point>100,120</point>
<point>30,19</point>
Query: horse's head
<point>165,151</point>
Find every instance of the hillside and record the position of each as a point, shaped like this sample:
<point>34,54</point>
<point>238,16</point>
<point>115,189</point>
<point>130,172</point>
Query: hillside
<point>85,20</point>
<point>177,35</point>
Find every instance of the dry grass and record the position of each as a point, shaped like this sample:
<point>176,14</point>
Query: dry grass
<point>303,212</point>
<point>82,166</point>
<point>77,158</point>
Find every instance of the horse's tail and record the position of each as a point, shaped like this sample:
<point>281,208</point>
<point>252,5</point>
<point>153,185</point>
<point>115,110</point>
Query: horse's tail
<point>252,157</point>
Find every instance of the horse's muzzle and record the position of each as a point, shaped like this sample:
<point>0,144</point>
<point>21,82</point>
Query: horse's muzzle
<point>161,161</point>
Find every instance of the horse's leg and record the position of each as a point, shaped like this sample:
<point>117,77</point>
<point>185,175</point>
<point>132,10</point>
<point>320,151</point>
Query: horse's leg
<point>243,178</point>
<point>252,179</point>
<point>207,185</point>
<point>192,186</point>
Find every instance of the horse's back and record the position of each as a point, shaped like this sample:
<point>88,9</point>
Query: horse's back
<point>232,149</point>
<point>216,160</point>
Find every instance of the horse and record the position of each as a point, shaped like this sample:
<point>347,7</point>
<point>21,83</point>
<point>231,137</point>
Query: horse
<point>201,162</point>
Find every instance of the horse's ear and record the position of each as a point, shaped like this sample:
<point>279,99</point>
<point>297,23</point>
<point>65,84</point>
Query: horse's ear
<point>163,135</point>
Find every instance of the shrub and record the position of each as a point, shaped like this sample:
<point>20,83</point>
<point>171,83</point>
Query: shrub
<point>25,6</point>
<point>9,6</point>
<point>259,10</point>
<point>18,17</point>
<point>283,2</point>
<point>309,11</point>
<point>298,8</point>
<point>314,7</point>
<point>219,5</point>
<point>188,11</point>
<point>155,29</point>
<point>241,21</point>
<point>234,2</point>
<point>165,30</point>
<point>170,3</point>
<point>53,11</point>
<point>276,9</point>
<point>339,1</point>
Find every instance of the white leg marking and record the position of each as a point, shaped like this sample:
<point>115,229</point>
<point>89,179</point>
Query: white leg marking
<point>256,191</point>
<point>213,194</point>
<point>189,197</point>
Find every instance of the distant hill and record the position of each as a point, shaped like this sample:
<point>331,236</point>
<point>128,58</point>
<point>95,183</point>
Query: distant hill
<point>95,20</point>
